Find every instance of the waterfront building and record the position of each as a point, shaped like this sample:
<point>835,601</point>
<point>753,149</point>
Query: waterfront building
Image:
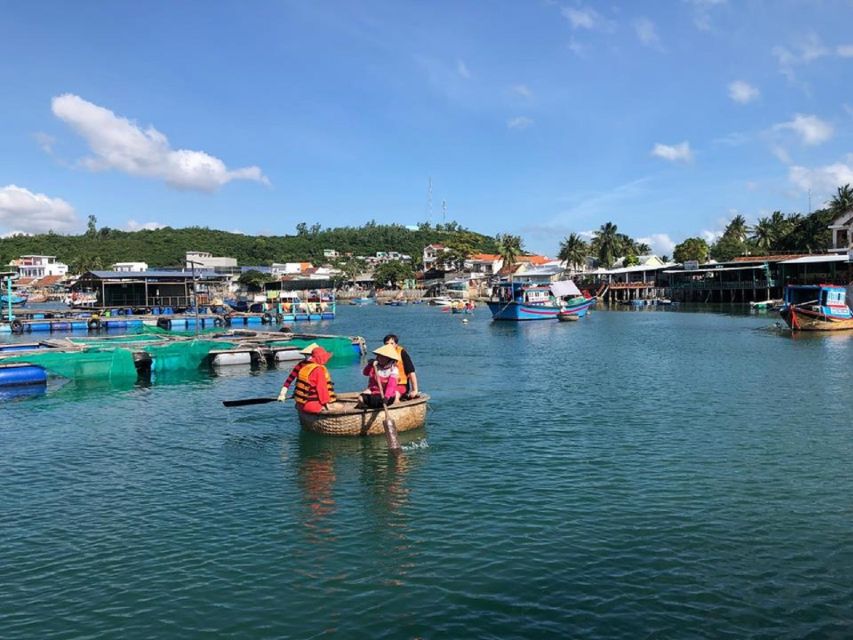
<point>34,266</point>
<point>487,264</point>
<point>842,231</point>
<point>431,253</point>
<point>156,288</point>
<point>205,260</point>
<point>130,266</point>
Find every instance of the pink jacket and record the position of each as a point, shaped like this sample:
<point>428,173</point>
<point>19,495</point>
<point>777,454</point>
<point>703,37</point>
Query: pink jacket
<point>389,380</point>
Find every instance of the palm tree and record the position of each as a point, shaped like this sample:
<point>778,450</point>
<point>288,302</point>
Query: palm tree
<point>842,201</point>
<point>737,228</point>
<point>573,251</point>
<point>763,234</point>
<point>608,241</point>
<point>509,248</point>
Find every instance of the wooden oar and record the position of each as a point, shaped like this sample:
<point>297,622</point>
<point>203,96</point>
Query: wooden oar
<point>248,401</point>
<point>389,425</point>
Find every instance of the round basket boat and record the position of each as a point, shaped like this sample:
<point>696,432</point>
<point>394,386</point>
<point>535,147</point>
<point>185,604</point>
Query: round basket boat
<point>346,420</point>
<point>564,316</point>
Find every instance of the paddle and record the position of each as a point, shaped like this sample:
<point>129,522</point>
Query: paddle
<point>389,425</point>
<point>248,401</point>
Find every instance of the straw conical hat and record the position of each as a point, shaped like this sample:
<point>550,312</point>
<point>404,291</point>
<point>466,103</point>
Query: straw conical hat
<point>388,351</point>
<point>307,350</point>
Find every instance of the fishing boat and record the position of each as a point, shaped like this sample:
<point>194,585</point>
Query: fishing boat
<point>763,305</point>
<point>346,419</point>
<point>516,301</point>
<point>16,299</point>
<point>439,301</point>
<point>362,301</point>
<point>817,307</point>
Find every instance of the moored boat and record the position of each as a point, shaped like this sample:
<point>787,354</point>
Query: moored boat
<point>16,299</point>
<point>516,301</point>
<point>818,307</point>
<point>346,419</point>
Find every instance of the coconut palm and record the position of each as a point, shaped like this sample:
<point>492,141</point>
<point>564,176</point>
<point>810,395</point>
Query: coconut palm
<point>763,234</point>
<point>609,244</point>
<point>509,248</point>
<point>573,251</point>
<point>737,228</point>
<point>842,201</point>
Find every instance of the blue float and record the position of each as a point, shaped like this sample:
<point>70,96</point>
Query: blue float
<point>39,326</point>
<point>16,375</point>
<point>79,326</point>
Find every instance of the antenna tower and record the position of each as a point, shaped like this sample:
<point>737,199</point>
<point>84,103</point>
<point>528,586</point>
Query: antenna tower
<point>429,201</point>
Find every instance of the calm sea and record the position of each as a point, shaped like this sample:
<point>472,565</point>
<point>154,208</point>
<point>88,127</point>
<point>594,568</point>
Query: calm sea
<point>631,475</point>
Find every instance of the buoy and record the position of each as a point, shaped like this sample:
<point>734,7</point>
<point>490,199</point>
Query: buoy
<point>464,320</point>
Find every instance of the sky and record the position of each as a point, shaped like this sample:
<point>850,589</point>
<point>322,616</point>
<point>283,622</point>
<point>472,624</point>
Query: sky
<point>538,118</point>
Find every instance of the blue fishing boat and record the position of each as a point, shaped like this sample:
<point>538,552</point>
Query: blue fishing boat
<point>360,302</point>
<point>17,300</point>
<point>817,307</point>
<point>516,301</point>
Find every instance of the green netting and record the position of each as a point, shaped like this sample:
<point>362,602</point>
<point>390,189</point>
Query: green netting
<point>107,342</point>
<point>182,355</point>
<point>106,364</point>
<point>157,331</point>
<point>339,347</point>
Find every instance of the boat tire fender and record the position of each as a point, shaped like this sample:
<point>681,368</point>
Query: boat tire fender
<point>17,326</point>
<point>164,323</point>
<point>94,324</point>
<point>279,318</point>
<point>266,319</point>
<point>218,322</point>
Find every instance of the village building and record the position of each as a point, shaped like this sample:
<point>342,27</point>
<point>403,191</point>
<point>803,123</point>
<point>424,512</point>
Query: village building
<point>35,266</point>
<point>130,266</point>
<point>842,232</point>
<point>207,261</point>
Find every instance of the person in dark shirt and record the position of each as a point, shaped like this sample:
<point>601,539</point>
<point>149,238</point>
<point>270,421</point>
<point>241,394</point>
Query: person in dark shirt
<point>408,377</point>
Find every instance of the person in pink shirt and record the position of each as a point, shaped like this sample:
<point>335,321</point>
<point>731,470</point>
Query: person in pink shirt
<point>383,370</point>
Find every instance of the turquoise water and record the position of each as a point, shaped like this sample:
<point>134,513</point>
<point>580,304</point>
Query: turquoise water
<point>634,474</point>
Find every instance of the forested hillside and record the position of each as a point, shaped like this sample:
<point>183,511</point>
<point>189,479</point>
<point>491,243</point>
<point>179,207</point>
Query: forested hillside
<point>166,247</point>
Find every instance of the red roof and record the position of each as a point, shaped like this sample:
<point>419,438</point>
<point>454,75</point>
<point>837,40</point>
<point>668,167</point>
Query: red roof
<point>485,257</point>
<point>773,258</point>
<point>535,260</point>
<point>48,281</point>
<point>435,246</point>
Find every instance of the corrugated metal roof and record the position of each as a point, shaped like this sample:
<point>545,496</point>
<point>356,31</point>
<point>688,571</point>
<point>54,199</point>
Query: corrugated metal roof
<point>815,259</point>
<point>140,275</point>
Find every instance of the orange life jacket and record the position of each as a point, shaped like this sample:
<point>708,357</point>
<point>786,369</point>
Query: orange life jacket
<point>402,378</point>
<point>305,391</point>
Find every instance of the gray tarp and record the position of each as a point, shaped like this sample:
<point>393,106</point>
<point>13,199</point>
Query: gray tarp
<point>564,288</point>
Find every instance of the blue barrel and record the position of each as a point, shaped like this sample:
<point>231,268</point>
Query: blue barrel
<point>315,316</point>
<point>254,320</point>
<point>39,326</point>
<point>328,315</point>
<point>116,324</point>
<point>38,316</point>
<point>6,348</point>
<point>24,374</point>
<point>190,322</point>
<point>168,311</point>
<point>135,324</point>
<point>238,320</point>
<point>302,316</point>
<point>60,326</point>
<point>5,328</point>
<point>79,326</point>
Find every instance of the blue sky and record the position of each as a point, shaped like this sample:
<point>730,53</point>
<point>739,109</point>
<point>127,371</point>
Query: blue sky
<point>538,118</point>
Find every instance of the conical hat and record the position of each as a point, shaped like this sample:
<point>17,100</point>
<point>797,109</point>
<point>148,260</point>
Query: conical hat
<point>307,350</point>
<point>388,351</point>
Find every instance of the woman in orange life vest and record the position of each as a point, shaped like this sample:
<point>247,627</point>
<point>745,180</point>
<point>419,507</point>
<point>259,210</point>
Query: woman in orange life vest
<point>314,387</point>
<point>282,396</point>
<point>408,379</point>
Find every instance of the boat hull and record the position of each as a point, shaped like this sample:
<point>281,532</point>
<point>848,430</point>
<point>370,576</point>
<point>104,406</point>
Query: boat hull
<point>808,320</point>
<point>519,311</point>
<point>347,420</point>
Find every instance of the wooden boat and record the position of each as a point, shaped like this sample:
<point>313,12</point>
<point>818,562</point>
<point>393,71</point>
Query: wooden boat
<point>516,301</point>
<point>346,419</point>
<point>564,316</point>
<point>817,307</point>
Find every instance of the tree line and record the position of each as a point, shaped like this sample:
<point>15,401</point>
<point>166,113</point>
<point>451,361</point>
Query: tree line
<point>776,233</point>
<point>98,248</point>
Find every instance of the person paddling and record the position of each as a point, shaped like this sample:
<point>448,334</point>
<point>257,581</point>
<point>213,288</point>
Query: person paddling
<point>282,396</point>
<point>314,387</point>
<point>382,378</point>
<point>408,379</point>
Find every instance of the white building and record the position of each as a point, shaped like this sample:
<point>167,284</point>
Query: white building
<point>289,268</point>
<point>331,253</point>
<point>205,260</point>
<point>130,266</point>
<point>487,264</point>
<point>431,253</point>
<point>842,232</point>
<point>40,266</point>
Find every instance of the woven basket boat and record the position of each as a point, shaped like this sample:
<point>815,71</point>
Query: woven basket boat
<point>346,420</point>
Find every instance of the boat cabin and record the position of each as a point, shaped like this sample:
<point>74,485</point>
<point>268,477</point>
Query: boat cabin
<point>827,299</point>
<point>524,293</point>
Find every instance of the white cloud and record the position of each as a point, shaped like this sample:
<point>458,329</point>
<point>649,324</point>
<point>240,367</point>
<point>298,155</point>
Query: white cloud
<point>45,141</point>
<point>522,90</point>
<point>28,212</point>
<point>660,243</point>
<point>118,143</point>
<point>576,48</point>
<point>519,122</point>
<point>845,50</point>
<point>781,153</point>
<point>586,18</point>
<point>811,129</point>
<point>743,92</point>
<point>711,236</point>
<point>826,179</point>
<point>702,12</point>
<point>674,153</point>
<point>807,49</point>
<point>133,225</point>
<point>647,33</point>
<point>462,70</point>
